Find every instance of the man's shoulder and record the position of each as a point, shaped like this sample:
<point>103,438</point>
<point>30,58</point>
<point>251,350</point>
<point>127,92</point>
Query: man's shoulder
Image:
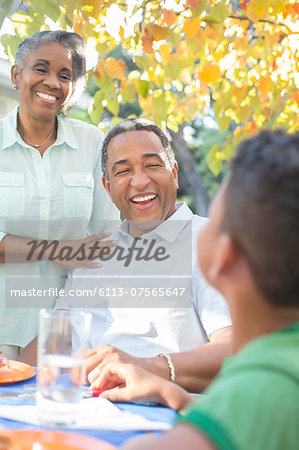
<point>198,222</point>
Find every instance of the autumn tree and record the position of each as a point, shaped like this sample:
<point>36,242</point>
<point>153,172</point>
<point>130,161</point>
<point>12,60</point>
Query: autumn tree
<point>238,59</point>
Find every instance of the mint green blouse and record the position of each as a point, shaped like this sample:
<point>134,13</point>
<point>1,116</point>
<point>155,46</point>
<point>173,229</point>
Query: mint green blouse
<point>57,196</point>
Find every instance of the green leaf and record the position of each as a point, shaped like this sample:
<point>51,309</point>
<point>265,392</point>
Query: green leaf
<point>203,4</point>
<point>243,114</point>
<point>129,93</point>
<point>35,25</point>
<point>95,111</point>
<point>5,9</point>
<point>115,120</point>
<point>2,17</point>
<point>10,43</point>
<point>173,70</point>
<point>45,8</point>
<point>143,62</point>
<point>223,122</point>
<point>143,88</point>
<point>113,105</point>
<point>160,105</point>
<point>219,12</point>
<point>105,83</point>
<point>51,10</point>
<point>213,161</point>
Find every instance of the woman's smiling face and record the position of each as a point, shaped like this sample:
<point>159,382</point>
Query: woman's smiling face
<point>45,81</point>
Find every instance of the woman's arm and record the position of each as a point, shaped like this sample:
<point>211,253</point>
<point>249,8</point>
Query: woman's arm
<point>21,249</point>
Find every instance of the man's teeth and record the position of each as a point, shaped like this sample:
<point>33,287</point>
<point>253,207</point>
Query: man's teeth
<point>143,199</point>
<point>46,96</point>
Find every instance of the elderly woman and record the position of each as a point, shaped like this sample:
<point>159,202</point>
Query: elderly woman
<point>50,184</point>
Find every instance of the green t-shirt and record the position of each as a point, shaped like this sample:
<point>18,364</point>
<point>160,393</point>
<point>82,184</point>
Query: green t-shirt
<point>254,402</point>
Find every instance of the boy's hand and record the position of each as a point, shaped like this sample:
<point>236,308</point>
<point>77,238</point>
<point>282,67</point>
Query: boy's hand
<point>126,382</point>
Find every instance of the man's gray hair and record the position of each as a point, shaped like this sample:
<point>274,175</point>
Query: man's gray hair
<point>136,124</point>
<point>73,43</point>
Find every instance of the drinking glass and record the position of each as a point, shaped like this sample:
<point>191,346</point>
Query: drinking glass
<point>62,344</point>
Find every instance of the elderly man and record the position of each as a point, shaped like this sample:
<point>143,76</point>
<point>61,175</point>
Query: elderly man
<point>149,298</point>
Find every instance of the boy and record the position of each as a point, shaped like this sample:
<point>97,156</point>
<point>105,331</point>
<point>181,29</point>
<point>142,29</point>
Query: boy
<point>249,252</point>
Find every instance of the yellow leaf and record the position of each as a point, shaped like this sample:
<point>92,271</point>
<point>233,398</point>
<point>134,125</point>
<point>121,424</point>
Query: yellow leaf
<point>121,32</point>
<point>210,73</point>
<point>243,114</point>
<point>154,31</point>
<point>213,33</point>
<point>256,9</point>
<point>295,97</point>
<point>115,68</point>
<point>192,26</point>
<point>264,85</point>
<point>100,68</point>
<point>147,43</point>
<point>78,26</point>
<point>213,161</point>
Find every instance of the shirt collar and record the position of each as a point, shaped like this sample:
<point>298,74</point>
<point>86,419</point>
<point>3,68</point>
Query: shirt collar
<point>178,219</point>
<point>10,136</point>
<point>65,133</point>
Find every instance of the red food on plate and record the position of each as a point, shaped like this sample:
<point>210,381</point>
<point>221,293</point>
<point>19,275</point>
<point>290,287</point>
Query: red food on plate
<point>3,361</point>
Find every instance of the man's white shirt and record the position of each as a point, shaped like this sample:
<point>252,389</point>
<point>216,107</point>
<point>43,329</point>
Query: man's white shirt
<point>154,299</point>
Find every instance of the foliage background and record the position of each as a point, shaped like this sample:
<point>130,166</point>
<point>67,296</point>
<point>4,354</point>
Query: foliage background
<point>177,63</point>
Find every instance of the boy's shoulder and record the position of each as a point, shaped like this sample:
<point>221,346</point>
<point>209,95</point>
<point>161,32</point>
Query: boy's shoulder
<point>273,352</point>
<point>256,391</point>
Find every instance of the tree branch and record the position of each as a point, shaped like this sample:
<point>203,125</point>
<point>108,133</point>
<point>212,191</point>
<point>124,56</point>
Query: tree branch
<point>265,21</point>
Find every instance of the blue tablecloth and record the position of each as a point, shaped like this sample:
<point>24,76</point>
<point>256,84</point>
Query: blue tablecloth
<point>117,438</point>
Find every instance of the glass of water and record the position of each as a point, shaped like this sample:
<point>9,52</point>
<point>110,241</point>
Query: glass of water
<point>62,344</point>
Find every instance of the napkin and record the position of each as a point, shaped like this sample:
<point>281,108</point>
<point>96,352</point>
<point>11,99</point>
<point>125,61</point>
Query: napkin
<point>94,414</point>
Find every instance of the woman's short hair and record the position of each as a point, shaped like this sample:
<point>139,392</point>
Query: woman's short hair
<point>74,44</point>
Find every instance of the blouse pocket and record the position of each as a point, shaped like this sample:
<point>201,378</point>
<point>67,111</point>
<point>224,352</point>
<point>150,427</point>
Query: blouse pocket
<point>78,194</point>
<point>12,195</point>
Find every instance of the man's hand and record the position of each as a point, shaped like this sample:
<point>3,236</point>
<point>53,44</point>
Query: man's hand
<point>97,358</point>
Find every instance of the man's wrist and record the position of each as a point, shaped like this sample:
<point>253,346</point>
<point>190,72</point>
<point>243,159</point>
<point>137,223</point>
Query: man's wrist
<point>170,365</point>
<point>155,365</point>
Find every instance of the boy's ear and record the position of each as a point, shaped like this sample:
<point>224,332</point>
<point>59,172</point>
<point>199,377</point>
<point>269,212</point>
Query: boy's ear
<point>106,185</point>
<point>226,258</point>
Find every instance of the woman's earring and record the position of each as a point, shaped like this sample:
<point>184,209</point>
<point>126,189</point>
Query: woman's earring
<point>15,86</point>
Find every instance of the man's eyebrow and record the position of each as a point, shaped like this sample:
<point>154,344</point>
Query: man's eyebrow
<point>117,163</point>
<point>151,155</point>
<point>144,156</point>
